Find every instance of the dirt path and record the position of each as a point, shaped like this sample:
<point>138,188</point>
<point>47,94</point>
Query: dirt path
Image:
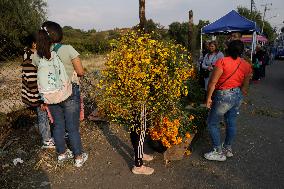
<point>258,160</point>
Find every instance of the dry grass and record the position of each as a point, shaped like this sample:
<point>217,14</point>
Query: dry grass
<point>10,86</point>
<point>94,62</point>
<point>10,80</point>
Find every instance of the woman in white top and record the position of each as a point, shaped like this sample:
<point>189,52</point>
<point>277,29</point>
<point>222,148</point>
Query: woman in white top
<point>210,60</point>
<point>66,114</point>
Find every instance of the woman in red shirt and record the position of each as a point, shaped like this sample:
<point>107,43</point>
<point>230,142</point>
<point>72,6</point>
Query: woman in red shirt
<point>227,85</point>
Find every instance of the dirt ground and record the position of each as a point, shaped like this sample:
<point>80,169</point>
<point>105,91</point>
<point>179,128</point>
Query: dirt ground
<point>257,163</point>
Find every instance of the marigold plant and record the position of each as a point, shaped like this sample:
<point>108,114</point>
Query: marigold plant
<point>174,128</point>
<point>141,71</point>
<point>168,132</point>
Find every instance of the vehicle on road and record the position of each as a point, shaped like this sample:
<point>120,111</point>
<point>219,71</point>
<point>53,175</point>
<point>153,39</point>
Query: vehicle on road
<point>279,52</point>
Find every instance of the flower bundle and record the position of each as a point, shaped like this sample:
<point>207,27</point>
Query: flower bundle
<point>142,71</point>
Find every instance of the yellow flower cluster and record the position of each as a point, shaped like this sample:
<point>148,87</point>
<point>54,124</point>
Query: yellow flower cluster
<point>167,132</point>
<point>141,70</point>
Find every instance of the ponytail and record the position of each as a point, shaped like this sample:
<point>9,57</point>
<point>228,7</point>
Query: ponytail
<point>43,44</point>
<point>50,33</point>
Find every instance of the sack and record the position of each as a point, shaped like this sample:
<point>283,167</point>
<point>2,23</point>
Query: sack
<point>54,84</point>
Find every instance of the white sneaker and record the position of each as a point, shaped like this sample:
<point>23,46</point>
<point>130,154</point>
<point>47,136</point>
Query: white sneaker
<point>215,156</point>
<point>66,136</point>
<point>227,151</point>
<point>66,156</point>
<point>143,170</point>
<point>48,144</point>
<point>80,161</point>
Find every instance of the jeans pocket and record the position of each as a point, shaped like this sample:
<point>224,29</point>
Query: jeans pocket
<point>219,97</point>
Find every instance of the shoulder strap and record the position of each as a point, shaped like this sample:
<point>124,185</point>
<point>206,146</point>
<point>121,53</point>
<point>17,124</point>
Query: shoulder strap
<point>206,56</point>
<point>231,74</point>
<point>56,47</point>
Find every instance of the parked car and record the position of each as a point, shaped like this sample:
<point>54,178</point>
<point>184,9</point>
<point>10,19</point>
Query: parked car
<point>279,52</point>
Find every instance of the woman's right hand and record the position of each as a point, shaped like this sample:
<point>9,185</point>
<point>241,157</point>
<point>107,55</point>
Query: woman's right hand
<point>208,103</point>
<point>43,107</point>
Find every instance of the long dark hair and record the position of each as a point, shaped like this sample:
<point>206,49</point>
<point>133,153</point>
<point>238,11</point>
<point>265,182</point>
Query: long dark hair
<point>235,49</point>
<point>29,40</point>
<point>50,33</point>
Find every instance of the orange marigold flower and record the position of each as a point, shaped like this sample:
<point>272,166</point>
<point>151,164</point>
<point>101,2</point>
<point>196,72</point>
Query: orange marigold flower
<point>176,122</point>
<point>187,152</point>
<point>191,117</point>
<point>179,140</point>
<point>187,135</point>
<point>165,120</point>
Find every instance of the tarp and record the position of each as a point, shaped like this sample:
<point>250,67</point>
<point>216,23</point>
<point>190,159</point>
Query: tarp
<point>231,22</point>
<point>248,38</point>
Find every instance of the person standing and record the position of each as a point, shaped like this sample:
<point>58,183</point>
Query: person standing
<point>65,114</point>
<point>209,61</point>
<point>137,136</point>
<point>30,94</point>
<point>227,85</point>
<point>202,72</point>
<point>258,63</point>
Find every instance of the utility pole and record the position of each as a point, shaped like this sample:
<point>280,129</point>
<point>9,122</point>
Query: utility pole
<point>251,5</point>
<point>264,12</point>
<point>190,30</point>
<point>252,8</point>
<point>142,16</point>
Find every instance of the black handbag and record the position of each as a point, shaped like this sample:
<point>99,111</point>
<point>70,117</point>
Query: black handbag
<point>205,73</point>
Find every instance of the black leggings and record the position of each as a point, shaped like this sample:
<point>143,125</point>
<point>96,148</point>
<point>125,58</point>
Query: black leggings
<point>137,136</point>
<point>256,74</point>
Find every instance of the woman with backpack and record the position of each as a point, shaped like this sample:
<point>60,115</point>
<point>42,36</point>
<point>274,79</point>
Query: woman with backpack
<point>59,67</point>
<point>209,61</point>
<point>227,85</point>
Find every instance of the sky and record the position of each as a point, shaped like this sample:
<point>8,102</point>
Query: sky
<point>109,14</point>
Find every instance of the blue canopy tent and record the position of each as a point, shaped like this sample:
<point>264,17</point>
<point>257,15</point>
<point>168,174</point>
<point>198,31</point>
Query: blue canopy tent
<point>232,22</point>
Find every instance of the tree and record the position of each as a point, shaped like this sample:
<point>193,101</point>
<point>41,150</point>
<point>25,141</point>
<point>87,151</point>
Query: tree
<point>282,30</point>
<point>256,17</point>
<point>198,27</point>
<point>179,32</point>
<point>18,18</point>
<point>142,16</point>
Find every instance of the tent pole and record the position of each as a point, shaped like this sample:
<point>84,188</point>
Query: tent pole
<point>201,43</point>
<point>253,44</point>
<point>251,48</point>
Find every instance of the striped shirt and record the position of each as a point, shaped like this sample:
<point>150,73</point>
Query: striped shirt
<point>30,94</point>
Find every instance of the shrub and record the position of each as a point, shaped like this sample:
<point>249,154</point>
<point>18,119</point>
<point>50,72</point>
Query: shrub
<point>143,72</point>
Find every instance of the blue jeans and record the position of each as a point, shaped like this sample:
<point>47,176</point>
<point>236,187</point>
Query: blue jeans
<point>226,103</point>
<point>43,124</point>
<point>66,116</point>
